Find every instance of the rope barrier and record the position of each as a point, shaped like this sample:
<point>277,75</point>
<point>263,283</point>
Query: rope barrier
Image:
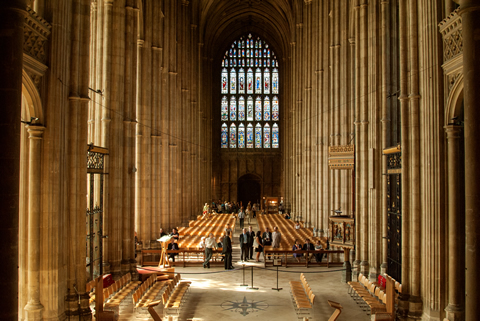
<point>256,267</point>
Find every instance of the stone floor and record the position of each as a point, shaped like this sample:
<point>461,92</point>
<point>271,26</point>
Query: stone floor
<point>217,294</point>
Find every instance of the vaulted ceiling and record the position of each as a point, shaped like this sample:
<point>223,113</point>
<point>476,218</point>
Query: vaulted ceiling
<point>223,21</point>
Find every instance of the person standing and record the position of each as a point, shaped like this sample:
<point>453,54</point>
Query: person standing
<point>251,238</point>
<point>210,244</point>
<point>267,240</point>
<point>244,242</point>
<point>259,248</point>
<point>227,251</point>
<point>276,238</point>
<point>241,216</point>
<point>248,214</point>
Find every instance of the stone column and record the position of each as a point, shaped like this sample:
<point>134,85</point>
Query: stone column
<point>405,178</point>
<point>11,39</point>
<point>34,307</point>
<point>456,227</point>
<point>415,303</point>
<point>363,146</point>
<point>386,121</point>
<point>470,12</point>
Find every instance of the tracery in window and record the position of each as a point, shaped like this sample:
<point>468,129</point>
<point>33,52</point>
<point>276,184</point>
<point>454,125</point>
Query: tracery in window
<point>249,93</point>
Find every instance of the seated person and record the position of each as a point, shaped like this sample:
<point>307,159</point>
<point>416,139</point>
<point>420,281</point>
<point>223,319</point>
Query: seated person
<point>172,246</point>
<point>297,247</point>
<point>318,256</point>
<point>297,225</point>
<point>175,234</point>
<point>308,247</point>
<point>287,216</point>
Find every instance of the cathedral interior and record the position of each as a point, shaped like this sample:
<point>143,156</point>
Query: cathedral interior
<point>132,114</point>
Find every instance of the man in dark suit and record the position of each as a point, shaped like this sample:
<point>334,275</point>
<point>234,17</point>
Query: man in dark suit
<point>244,245</point>
<point>172,246</point>
<point>267,239</point>
<point>251,237</point>
<point>227,250</point>
<point>308,246</point>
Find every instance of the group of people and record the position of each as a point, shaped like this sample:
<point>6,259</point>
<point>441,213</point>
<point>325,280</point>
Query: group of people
<point>307,246</point>
<point>251,241</point>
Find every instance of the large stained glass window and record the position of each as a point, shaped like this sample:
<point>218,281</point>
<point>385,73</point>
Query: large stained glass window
<point>250,107</point>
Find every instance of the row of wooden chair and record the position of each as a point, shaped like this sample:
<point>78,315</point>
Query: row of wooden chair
<point>118,291</point>
<point>148,291</point>
<point>302,295</point>
<point>288,231</point>
<point>175,295</point>
<point>366,293</point>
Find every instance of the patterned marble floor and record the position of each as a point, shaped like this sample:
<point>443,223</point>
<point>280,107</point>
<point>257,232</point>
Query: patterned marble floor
<point>217,294</point>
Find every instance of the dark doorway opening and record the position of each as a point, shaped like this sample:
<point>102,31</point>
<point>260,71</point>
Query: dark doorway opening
<point>249,189</point>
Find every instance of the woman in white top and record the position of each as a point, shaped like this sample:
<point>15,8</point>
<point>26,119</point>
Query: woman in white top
<point>297,226</point>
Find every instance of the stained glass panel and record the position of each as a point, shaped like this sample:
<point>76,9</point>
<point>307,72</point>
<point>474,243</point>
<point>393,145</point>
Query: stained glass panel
<point>275,109</point>
<point>224,81</point>
<point>224,109</point>
<point>249,81</point>
<point>224,136</point>
<point>275,81</point>
<point>275,138</point>
<point>266,81</point>
<point>249,136</point>
<point>241,108</point>
<point>250,108</point>
<point>266,109</point>
<point>258,109</point>
<point>241,136</point>
<point>258,136</point>
<point>233,81</point>
<point>258,81</point>
<point>233,136</point>
<point>241,81</point>
<point>233,109</point>
<point>266,136</point>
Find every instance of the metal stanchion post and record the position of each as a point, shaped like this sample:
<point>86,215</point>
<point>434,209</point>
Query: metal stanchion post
<point>277,288</point>
<point>243,284</point>
<point>252,288</point>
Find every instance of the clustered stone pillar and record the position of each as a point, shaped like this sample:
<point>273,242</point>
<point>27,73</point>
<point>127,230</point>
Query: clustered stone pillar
<point>34,307</point>
<point>11,53</point>
<point>456,226</point>
<point>470,12</point>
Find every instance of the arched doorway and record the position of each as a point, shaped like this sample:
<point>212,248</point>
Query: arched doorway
<point>249,189</point>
